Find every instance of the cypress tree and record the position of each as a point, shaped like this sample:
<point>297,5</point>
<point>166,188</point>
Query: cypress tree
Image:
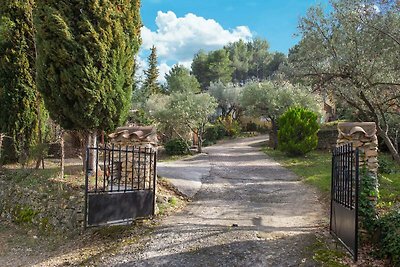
<point>151,85</point>
<point>85,60</point>
<point>20,102</point>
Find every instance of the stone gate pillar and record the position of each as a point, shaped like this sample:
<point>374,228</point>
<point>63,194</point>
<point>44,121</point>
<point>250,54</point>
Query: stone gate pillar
<point>363,136</point>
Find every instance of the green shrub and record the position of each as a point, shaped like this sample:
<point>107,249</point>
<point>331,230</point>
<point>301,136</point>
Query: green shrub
<point>251,127</point>
<point>232,127</point>
<point>367,210</point>
<point>214,133</point>
<point>386,166</point>
<point>176,147</point>
<point>297,133</point>
<point>24,214</point>
<point>389,225</point>
<point>263,129</point>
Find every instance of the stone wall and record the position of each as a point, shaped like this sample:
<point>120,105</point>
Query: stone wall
<point>51,207</point>
<point>327,138</point>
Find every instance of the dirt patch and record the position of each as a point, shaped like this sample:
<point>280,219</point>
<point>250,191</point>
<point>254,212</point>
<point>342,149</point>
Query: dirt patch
<point>24,245</point>
<point>249,212</point>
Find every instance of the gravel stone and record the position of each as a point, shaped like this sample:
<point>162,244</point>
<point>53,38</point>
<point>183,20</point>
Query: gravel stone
<point>250,211</point>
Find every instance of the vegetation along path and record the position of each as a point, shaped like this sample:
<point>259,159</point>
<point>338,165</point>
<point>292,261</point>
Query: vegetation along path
<point>249,212</point>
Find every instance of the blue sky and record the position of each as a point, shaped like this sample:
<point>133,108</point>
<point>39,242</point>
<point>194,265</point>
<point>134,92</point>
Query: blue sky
<point>179,28</point>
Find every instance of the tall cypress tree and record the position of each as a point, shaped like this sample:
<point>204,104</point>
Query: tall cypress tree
<point>19,99</point>
<point>85,61</point>
<point>150,84</point>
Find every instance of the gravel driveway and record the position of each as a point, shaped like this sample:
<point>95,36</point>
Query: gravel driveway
<point>249,212</point>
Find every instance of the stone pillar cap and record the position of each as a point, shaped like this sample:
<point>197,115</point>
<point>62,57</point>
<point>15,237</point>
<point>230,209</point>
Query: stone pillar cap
<point>347,129</point>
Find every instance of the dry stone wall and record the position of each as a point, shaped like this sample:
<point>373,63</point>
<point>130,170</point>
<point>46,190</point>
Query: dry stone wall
<point>50,207</point>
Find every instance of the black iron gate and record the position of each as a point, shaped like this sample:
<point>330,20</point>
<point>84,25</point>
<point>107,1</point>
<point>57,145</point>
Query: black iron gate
<point>121,186</point>
<point>344,197</point>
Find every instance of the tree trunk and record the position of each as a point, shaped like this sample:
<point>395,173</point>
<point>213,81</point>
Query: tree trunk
<point>200,141</point>
<point>389,144</point>
<point>274,135</point>
<point>62,160</point>
<point>92,142</point>
<point>83,136</point>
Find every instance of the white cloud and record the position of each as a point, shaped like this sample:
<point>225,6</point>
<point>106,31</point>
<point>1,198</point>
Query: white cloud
<point>178,39</point>
<point>164,69</point>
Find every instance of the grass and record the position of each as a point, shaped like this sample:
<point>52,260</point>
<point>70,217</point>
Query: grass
<point>389,182</point>
<point>314,168</point>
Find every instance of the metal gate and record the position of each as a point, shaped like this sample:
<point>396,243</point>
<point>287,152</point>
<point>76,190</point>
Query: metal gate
<point>344,197</point>
<point>121,186</point>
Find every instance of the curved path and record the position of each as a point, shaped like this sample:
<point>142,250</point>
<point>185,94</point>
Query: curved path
<point>249,212</point>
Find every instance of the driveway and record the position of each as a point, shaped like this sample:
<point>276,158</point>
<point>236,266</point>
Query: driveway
<point>249,211</point>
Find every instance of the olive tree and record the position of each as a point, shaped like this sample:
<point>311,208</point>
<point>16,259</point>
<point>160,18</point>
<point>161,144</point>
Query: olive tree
<point>183,112</point>
<point>353,52</point>
<point>271,99</point>
<point>228,97</point>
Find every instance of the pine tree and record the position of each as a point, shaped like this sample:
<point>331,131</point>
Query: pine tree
<point>20,106</point>
<point>179,80</point>
<point>85,61</point>
<point>150,84</point>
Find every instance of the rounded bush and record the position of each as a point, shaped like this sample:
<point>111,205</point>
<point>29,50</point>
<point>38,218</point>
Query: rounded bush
<point>251,127</point>
<point>176,147</point>
<point>214,133</point>
<point>297,134</point>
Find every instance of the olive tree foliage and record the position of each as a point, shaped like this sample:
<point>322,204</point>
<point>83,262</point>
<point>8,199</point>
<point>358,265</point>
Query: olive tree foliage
<point>271,99</point>
<point>228,98</point>
<point>353,52</point>
<point>182,112</point>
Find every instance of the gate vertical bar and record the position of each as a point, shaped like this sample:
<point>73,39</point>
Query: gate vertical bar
<point>133,166</point>
<point>119,168</point>
<point>97,164</point>
<point>145,169</point>
<point>126,167</point>
<point>138,180</point>
<point>104,168</point>
<point>151,167</point>
<point>86,188</point>
<point>333,180</point>
<point>357,180</point>
<point>112,167</point>
<point>154,182</point>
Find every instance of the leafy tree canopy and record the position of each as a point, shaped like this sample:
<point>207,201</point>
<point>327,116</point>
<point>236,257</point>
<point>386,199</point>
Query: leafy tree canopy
<point>20,103</point>
<point>271,99</point>
<point>179,80</point>
<point>228,97</point>
<point>353,52</point>
<point>182,112</point>
<point>212,67</point>
<point>85,60</point>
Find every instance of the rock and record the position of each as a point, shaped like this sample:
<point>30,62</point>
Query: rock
<point>371,153</point>
<point>372,160</point>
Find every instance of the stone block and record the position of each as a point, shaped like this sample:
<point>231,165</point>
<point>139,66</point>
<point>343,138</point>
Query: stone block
<point>371,153</point>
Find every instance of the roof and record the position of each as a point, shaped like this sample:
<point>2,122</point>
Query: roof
<point>134,134</point>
